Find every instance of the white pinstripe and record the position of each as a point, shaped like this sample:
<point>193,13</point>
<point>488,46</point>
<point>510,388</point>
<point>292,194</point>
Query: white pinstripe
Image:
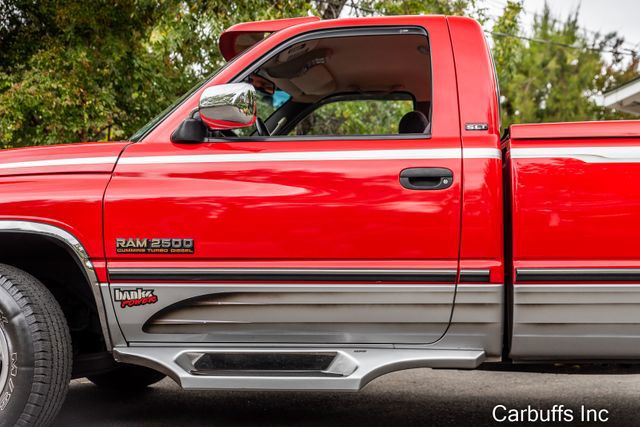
<point>586,154</point>
<point>431,153</point>
<point>60,162</point>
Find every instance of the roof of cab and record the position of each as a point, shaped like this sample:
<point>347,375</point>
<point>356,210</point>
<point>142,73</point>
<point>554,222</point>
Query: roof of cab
<point>240,37</point>
<point>228,39</point>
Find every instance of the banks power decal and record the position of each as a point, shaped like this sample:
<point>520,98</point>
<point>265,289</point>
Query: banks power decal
<point>134,298</point>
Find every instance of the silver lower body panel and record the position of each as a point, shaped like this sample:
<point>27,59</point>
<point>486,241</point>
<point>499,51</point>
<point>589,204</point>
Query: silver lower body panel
<point>576,322</point>
<point>477,320</point>
<point>288,313</point>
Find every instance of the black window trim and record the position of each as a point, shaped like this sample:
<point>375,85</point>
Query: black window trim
<point>333,33</point>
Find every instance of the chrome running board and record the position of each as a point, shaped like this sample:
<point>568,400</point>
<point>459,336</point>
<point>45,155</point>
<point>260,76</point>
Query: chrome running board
<point>338,369</point>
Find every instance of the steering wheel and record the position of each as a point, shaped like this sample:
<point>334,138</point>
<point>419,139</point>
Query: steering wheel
<point>261,128</point>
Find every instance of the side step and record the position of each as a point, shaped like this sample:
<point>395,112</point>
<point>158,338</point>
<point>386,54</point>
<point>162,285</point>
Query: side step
<point>289,368</point>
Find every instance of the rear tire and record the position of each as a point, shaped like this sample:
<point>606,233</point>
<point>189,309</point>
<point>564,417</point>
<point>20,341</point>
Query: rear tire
<point>35,351</point>
<point>127,378</point>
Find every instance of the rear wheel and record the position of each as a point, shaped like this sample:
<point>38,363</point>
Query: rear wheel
<point>127,378</point>
<point>35,351</point>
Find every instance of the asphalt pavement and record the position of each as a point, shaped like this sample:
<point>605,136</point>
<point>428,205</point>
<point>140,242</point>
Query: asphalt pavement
<point>414,397</point>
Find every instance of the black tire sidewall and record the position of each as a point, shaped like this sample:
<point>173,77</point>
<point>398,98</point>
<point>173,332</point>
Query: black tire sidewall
<point>16,392</point>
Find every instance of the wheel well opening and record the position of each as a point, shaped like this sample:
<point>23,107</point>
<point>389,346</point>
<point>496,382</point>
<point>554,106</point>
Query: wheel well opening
<point>51,262</point>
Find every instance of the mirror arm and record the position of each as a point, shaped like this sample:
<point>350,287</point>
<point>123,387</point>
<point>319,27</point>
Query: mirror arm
<point>190,131</point>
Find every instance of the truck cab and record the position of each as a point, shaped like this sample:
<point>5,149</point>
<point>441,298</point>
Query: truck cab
<point>334,216</point>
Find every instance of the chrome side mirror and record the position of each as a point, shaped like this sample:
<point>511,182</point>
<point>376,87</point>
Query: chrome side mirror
<point>229,106</point>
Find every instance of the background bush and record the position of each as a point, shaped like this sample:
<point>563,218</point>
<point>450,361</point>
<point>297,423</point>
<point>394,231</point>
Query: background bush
<point>98,70</point>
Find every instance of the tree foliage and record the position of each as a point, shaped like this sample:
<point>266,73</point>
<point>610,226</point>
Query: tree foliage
<point>73,71</point>
<point>98,70</point>
<point>553,71</point>
<point>69,72</point>
<point>559,72</point>
<point>416,7</point>
<point>362,117</point>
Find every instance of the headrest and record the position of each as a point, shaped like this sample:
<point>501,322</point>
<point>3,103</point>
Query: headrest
<point>413,122</point>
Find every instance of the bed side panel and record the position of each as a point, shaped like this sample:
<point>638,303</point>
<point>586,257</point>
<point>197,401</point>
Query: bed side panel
<point>576,216</point>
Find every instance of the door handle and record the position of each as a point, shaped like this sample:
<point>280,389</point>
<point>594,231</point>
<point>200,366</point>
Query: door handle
<point>426,178</point>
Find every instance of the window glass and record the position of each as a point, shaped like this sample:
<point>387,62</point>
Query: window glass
<point>346,85</point>
<point>355,117</point>
<point>144,130</point>
<point>267,104</point>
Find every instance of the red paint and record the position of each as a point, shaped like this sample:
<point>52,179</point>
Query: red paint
<point>225,124</point>
<point>65,196</point>
<point>572,214</point>
<point>603,129</point>
<point>61,152</point>
<point>72,202</point>
<point>297,213</point>
<point>303,210</point>
<point>482,224</point>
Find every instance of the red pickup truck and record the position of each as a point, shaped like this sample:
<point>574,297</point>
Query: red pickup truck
<point>334,204</point>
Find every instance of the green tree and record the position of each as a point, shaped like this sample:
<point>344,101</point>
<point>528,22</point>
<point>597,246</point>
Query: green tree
<point>72,71</point>
<point>69,72</point>
<point>558,71</point>
<point>553,71</point>
<point>417,7</point>
<point>369,117</point>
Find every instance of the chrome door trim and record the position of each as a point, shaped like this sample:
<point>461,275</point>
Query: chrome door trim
<point>577,274</point>
<point>608,154</point>
<point>78,252</point>
<point>475,275</point>
<point>287,274</point>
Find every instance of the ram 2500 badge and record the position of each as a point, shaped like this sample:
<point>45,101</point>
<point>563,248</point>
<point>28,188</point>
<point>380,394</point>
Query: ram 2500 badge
<point>334,204</point>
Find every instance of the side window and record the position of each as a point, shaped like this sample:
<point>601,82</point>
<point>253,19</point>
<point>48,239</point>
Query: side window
<point>355,117</point>
<point>377,84</point>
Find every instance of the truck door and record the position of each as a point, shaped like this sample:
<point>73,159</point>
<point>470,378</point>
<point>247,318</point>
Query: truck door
<point>342,226</point>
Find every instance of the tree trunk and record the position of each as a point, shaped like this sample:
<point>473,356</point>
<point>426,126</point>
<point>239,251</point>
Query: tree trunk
<point>333,8</point>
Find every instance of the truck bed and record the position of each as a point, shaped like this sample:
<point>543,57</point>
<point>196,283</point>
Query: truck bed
<point>575,207</point>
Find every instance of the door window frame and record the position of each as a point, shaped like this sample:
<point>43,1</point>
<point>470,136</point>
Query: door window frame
<point>334,33</point>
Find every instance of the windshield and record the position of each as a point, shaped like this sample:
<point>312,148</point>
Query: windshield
<point>144,130</point>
